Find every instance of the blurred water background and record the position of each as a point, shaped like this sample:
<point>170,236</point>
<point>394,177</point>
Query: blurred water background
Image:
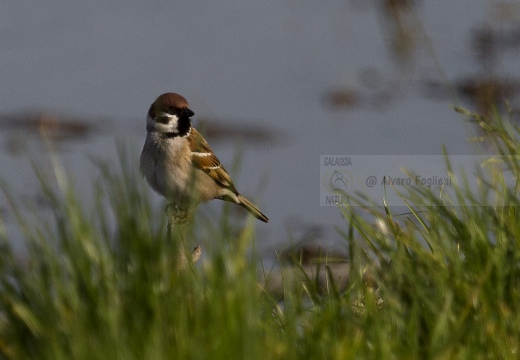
<point>280,82</point>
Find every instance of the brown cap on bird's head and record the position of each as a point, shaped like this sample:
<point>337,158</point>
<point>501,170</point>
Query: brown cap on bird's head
<point>170,103</point>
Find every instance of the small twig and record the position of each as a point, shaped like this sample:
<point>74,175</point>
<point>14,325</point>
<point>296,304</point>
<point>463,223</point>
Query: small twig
<point>196,253</point>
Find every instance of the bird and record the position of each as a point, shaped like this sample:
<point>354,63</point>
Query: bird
<point>178,163</point>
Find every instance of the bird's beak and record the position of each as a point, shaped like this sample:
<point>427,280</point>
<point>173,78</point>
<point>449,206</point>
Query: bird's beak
<point>187,113</point>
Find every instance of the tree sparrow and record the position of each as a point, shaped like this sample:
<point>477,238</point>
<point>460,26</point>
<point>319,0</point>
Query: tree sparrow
<point>178,163</point>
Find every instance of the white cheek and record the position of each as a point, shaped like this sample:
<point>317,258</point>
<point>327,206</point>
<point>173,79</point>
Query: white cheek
<point>172,122</point>
<point>171,126</point>
<point>172,119</point>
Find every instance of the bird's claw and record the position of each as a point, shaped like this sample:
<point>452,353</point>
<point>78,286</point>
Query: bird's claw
<point>176,215</point>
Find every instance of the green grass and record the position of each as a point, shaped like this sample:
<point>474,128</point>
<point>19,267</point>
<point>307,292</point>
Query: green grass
<point>105,282</point>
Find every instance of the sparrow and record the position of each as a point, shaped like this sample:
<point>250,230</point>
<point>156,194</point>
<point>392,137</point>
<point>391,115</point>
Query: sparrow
<point>178,163</point>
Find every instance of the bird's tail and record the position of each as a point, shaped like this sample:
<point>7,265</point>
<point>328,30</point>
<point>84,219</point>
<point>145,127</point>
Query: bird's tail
<point>248,205</point>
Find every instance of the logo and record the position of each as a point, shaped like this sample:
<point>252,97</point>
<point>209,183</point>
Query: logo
<point>337,181</point>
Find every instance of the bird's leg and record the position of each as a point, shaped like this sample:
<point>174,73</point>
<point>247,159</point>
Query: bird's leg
<point>181,216</point>
<point>177,215</point>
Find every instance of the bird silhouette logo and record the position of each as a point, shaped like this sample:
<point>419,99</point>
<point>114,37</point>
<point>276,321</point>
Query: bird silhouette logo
<point>338,181</point>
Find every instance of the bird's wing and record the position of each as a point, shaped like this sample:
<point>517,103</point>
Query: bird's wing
<point>203,158</point>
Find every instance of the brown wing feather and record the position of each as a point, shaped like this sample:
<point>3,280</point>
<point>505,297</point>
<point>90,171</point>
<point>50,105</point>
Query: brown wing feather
<point>206,162</point>
<point>210,164</point>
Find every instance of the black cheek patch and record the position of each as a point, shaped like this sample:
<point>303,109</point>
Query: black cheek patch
<point>183,125</point>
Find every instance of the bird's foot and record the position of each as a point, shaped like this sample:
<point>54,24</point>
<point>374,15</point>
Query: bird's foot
<point>177,215</point>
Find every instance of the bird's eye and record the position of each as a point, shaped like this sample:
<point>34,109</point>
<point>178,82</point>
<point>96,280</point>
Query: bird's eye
<point>171,109</point>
